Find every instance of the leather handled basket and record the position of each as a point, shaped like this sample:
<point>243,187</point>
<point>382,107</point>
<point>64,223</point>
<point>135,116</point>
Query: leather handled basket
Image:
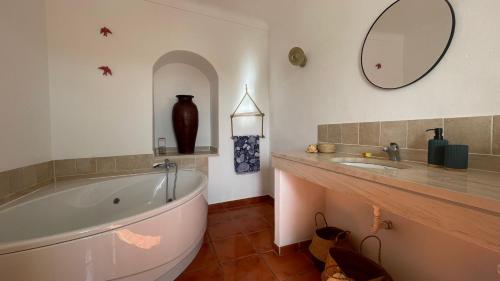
<point>325,238</point>
<point>347,265</point>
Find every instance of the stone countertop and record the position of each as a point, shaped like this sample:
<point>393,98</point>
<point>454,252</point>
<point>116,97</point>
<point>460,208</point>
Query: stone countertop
<point>474,188</point>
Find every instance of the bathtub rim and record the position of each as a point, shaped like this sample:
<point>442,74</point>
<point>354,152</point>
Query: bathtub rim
<point>68,236</point>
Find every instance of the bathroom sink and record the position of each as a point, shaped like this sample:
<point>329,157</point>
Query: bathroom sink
<point>372,164</point>
<point>369,166</point>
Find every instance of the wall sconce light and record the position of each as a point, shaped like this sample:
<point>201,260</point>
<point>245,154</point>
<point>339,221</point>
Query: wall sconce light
<point>297,57</point>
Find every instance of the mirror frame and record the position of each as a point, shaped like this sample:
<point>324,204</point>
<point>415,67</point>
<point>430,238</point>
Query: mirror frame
<point>452,33</point>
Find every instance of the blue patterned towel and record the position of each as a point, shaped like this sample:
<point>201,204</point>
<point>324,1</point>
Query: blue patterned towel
<point>246,154</point>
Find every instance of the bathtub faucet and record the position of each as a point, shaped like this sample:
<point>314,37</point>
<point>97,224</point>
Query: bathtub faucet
<point>167,164</point>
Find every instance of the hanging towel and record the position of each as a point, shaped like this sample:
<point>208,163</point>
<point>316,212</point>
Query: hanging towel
<point>246,154</point>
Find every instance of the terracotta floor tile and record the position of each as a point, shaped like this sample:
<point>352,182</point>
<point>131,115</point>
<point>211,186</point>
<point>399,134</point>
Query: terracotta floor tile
<point>210,273</point>
<point>216,209</point>
<point>263,209</point>
<point>245,213</point>
<point>224,230</point>
<point>233,248</point>
<point>250,225</point>
<point>206,257</point>
<point>251,268</point>
<point>269,218</point>
<point>206,237</point>
<point>288,266</point>
<point>308,276</point>
<point>220,217</point>
<point>262,241</point>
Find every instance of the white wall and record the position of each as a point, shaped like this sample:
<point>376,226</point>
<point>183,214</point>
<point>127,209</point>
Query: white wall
<point>180,79</point>
<point>24,95</point>
<point>331,88</point>
<point>94,115</point>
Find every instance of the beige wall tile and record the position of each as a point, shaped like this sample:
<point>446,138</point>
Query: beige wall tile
<point>484,162</point>
<point>44,172</point>
<point>417,137</point>
<point>125,163</point>
<point>86,166</point>
<point>134,162</point>
<point>202,164</point>
<point>350,133</point>
<point>29,176</point>
<point>65,167</point>
<point>186,163</point>
<point>369,133</point>
<point>414,155</point>
<point>16,180</point>
<point>359,149</point>
<point>393,131</point>
<point>496,135</point>
<point>334,133</point>
<point>105,165</point>
<point>472,131</point>
<point>144,161</point>
<point>4,184</point>
<point>322,133</point>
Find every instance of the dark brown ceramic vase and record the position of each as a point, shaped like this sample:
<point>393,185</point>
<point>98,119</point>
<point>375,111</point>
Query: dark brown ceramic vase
<point>185,119</point>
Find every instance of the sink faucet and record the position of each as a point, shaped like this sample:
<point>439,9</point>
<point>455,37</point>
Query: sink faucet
<point>393,151</point>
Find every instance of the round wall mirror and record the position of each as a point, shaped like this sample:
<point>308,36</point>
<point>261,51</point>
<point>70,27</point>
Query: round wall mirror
<point>406,42</point>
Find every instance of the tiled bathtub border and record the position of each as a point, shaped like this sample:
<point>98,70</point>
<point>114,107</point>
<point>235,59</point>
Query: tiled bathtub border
<point>23,180</point>
<point>482,134</point>
<point>117,165</point>
<point>17,182</point>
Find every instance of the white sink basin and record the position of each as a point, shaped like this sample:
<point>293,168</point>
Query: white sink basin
<point>368,166</point>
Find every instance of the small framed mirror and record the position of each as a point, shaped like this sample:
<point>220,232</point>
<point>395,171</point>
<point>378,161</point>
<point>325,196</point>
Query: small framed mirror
<point>406,42</point>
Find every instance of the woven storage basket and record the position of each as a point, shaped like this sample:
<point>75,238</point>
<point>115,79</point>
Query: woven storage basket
<point>325,238</point>
<point>326,147</point>
<point>347,265</point>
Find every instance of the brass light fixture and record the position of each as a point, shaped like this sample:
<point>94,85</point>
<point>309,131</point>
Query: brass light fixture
<point>297,57</point>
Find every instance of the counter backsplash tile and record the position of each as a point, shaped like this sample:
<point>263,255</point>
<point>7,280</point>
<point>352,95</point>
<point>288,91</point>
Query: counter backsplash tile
<point>334,133</point>
<point>323,133</point>
<point>369,133</point>
<point>417,135</point>
<point>473,131</point>
<point>393,131</point>
<point>482,134</point>
<point>350,133</point>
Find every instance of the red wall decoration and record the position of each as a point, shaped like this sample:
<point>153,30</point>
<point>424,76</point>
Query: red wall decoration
<point>106,70</point>
<point>105,31</point>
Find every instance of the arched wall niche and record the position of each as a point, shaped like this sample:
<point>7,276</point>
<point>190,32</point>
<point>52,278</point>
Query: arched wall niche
<point>184,72</point>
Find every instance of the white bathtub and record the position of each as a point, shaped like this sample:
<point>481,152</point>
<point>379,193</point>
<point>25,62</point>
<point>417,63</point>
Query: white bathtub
<point>118,228</point>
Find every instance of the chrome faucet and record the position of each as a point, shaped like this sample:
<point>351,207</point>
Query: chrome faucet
<point>393,151</point>
<point>167,164</point>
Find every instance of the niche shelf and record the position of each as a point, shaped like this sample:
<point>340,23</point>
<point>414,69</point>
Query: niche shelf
<point>184,72</point>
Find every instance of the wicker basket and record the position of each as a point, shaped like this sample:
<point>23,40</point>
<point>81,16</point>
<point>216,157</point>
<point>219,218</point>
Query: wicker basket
<point>326,147</point>
<point>325,238</point>
<point>344,264</point>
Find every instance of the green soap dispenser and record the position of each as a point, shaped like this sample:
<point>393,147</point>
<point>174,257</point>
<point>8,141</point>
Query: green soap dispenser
<point>436,147</point>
